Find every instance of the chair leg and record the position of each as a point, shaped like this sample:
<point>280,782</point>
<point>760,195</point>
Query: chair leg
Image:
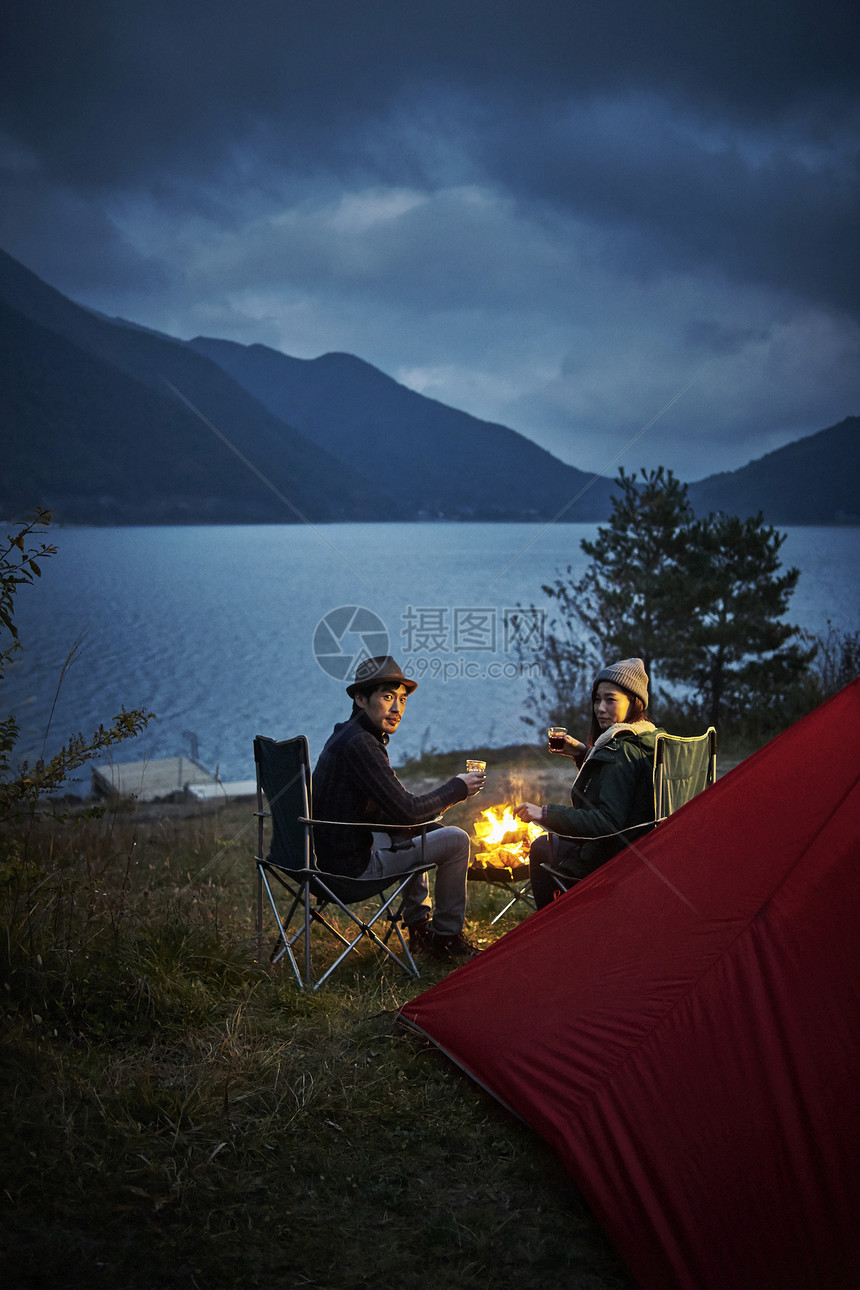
<point>307,913</point>
<point>306,888</point>
<point>282,939</point>
<point>523,894</point>
<point>284,943</point>
<point>367,929</point>
<point>259,914</point>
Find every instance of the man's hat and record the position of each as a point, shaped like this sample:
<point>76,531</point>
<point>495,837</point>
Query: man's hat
<point>377,671</point>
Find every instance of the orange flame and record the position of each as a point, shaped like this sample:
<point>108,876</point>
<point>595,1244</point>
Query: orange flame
<point>502,839</point>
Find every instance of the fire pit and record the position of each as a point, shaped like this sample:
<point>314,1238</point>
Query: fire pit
<point>500,846</point>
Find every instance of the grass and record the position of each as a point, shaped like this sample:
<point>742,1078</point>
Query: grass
<point>177,1114</point>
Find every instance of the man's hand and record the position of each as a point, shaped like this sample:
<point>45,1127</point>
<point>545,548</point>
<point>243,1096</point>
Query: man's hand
<point>474,780</point>
<point>529,812</point>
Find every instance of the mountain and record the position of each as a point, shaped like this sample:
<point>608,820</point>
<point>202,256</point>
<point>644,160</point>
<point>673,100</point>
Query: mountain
<point>94,432</point>
<point>433,457</point>
<point>811,481</point>
<point>360,415</point>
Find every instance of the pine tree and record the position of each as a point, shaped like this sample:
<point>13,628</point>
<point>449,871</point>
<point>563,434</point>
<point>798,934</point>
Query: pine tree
<point>630,600</point>
<point>735,651</point>
<point>699,600</point>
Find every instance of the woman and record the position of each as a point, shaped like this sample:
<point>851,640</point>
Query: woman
<point>613,790</point>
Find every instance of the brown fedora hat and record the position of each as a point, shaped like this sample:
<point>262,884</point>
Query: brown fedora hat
<point>376,671</point>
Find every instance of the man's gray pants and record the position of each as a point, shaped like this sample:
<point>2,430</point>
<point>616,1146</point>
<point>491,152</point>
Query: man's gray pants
<point>448,850</point>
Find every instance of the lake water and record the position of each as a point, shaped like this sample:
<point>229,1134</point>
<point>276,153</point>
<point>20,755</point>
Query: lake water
<point>230,632</point>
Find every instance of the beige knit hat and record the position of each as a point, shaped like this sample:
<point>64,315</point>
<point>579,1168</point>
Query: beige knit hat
<point>629,674</point>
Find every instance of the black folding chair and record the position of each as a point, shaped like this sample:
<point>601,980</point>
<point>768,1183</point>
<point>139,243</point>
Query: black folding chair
<point>682,767</point>
<point>308,894</point>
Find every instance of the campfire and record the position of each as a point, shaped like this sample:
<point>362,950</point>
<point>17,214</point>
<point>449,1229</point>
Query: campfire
<point>501,844</point>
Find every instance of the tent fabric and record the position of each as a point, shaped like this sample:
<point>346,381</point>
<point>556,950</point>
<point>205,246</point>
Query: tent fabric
<point>683,1026</point>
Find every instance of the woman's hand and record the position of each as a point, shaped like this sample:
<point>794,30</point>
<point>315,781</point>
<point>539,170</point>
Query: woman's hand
<point>529,812</point>
<point>572,748</point>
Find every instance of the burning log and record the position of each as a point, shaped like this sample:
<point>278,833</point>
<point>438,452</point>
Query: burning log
<point>500,847</point>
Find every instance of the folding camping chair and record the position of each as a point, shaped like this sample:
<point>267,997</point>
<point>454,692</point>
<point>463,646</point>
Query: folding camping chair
<point>682,767</point>
<point>308,893</point>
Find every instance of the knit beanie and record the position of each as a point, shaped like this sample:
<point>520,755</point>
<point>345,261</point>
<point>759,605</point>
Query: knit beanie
<point>630,674</point>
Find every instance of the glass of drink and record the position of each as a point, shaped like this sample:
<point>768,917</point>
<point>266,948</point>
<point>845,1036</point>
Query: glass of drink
<point>471,764</point>
<point>556,738</point>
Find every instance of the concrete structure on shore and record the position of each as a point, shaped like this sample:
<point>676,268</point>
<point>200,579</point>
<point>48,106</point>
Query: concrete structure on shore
<point>165,780</point>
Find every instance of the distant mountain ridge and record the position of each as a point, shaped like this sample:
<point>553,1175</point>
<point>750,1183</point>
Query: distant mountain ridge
<point>434,457</point>
<point>815,480</point>
<point>95,433</point>
<point>796,484</point>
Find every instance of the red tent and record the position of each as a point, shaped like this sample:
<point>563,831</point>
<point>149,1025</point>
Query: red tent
<point>684,1026</point>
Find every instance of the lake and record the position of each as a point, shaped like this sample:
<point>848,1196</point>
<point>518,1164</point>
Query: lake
<point>230,632</point>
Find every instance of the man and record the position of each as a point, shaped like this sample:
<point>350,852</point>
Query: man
<point>354,781</point>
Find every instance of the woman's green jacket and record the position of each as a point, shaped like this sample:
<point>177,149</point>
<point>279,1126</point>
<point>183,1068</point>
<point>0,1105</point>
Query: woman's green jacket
<point>613,791</point>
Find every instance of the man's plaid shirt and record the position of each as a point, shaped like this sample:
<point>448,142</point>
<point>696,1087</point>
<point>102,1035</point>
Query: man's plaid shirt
<point>354,781</point>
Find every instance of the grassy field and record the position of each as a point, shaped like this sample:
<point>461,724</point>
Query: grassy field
<point>178,1114</point>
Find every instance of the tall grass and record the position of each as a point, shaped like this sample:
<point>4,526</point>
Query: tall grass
<point>178,1114</point>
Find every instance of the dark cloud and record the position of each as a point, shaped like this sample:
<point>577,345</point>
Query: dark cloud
<point>106,90</point>
<point>766,205</point>
<point>551,213</point>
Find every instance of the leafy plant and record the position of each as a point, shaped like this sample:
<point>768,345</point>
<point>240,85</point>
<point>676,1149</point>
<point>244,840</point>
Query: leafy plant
<point>20,564</point>
<point>837,658</point>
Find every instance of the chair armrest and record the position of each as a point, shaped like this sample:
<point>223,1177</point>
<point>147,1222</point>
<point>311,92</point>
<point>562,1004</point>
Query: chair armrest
<point>562,879</point>
<point>559,873</point>
<point>600,837</point>
<point>364,824</point>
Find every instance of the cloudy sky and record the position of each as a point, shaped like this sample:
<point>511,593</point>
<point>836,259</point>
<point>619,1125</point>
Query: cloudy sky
<point>569,217</point>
